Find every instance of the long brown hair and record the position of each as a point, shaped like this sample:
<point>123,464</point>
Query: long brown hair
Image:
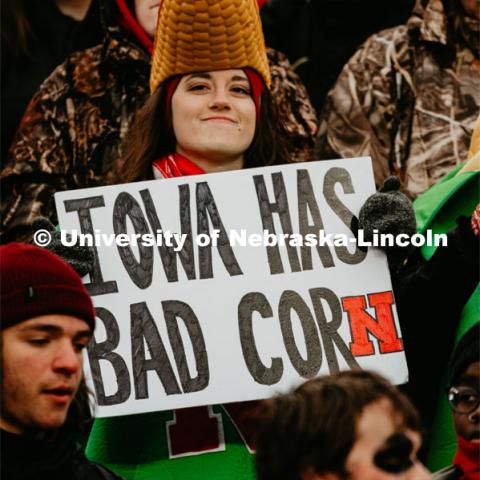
<point>152,137</point>
<point>80,412</point>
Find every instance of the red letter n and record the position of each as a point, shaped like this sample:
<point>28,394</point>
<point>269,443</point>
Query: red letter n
<point>362,323</point>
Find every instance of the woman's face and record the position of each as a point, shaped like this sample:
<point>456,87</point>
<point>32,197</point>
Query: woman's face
<point>146,12</point>
<point>214,117</point>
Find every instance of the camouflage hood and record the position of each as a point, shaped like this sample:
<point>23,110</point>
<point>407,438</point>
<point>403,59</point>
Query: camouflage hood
<point>436,21</point>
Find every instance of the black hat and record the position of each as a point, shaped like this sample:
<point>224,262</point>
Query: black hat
<point>466,351</point>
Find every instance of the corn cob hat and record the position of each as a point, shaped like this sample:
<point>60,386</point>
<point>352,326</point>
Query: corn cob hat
<point>205,35</point>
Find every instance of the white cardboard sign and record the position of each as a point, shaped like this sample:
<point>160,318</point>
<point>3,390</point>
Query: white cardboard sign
<point>196,324</point>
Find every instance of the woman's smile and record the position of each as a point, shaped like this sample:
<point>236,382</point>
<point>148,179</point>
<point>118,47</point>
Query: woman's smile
<point>221,119</point>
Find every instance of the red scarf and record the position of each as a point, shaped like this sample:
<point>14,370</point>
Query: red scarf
<point>468,459</point>
<point>176,165</point>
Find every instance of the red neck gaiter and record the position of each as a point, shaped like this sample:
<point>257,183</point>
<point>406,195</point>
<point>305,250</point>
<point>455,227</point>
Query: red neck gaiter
<point>129,22</point>
<point>176,165</point>
<point>468,459</point>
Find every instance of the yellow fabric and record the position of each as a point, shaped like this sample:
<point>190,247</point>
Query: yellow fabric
<point>473,162</point>
<point>475,140</point>
<point>204,35</point>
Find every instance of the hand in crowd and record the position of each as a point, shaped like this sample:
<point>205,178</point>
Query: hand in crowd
<point>388,211</point>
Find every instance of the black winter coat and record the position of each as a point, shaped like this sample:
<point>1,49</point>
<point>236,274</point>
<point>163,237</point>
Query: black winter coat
<point>61,458</point>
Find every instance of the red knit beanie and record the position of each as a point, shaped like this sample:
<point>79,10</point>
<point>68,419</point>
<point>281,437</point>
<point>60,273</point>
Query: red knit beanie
<point>35,282</point>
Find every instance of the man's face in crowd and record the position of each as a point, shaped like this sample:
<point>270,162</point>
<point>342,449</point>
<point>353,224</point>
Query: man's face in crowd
<point>384,448</point>
<point>146,12</point>
<point>42,362</point>
<point>467,425</point>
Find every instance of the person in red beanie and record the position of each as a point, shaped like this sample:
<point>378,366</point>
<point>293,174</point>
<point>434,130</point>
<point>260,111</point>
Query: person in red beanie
<point>47,319</point>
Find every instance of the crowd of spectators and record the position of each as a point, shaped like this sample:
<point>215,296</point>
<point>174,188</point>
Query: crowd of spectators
<point>91,98</point>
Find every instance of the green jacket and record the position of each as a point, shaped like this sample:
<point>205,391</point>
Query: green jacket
<point>437,209</point>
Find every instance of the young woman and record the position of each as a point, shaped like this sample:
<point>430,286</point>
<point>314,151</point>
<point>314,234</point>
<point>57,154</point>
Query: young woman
<point>204,122</point>
<point>203,117</point>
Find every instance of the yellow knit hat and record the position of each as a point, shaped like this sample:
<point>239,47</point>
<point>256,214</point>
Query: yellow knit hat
<point>205,35</point>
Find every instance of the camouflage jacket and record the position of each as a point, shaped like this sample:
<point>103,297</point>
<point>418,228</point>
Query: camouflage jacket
<point>74,127</point>
<point>409,97</point>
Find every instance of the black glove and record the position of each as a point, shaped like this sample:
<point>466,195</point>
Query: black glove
<point>388,211</point>
<point>80,258</point>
